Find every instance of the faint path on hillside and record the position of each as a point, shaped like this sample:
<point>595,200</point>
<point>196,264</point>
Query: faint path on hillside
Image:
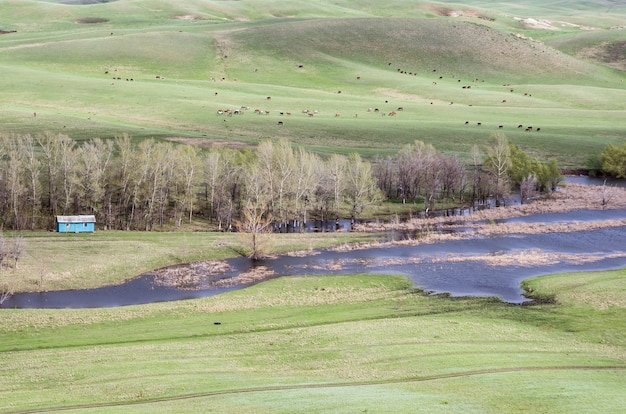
<point>325,385</point>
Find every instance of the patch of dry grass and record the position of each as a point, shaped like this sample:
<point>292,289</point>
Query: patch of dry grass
<point>569,198</point>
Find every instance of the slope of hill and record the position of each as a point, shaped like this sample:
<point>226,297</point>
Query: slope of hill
<point>163,68</point>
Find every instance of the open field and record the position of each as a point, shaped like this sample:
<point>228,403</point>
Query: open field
<point>163,69</point>
<point>56,261</point>
<point>315,344</point>
<point>326,344</point>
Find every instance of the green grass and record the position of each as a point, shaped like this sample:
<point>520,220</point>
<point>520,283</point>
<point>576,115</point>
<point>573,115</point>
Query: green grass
<point>58,260</point>
<point>361,343</point>
<point>302,55</point>
<point>322,344</point>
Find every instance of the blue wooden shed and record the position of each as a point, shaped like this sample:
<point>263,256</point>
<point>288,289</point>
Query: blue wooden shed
<point>76,224</point>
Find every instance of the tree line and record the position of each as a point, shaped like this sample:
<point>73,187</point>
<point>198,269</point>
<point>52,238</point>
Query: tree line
<point>142,186</point>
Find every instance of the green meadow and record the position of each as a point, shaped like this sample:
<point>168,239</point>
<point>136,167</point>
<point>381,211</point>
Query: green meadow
<point>311,344</point>
<point>362,343</point>
<point>178,63</point>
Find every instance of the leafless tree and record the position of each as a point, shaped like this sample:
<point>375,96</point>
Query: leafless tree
<point>608,193</point>
<point>255,228</point>
<point>335,180</point>
<point>3,250</point>
<point>528,187</point>
<point>384,169</point>
<point>498,162</point>
<point>18,249</point>
<point>307,178</point>
<point>360,188</point>
<point>32,171</point>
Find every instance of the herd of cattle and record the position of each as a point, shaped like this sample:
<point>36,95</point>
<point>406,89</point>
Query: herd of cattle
<point>310,113</point>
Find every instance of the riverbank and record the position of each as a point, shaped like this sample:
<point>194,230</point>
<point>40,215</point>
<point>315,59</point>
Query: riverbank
<point>570,197</point>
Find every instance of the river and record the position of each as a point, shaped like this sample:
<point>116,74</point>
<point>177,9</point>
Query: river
<point>477,266</point>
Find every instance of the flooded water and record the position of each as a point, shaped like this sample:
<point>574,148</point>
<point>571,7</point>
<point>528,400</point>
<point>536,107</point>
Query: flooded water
<point>481,266</point>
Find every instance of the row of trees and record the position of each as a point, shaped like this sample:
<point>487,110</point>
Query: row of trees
<point>139,186</point>
<point>128,186</point>
<point>419,173</point>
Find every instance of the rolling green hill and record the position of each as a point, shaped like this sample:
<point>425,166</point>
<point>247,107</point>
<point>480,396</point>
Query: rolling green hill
<point>163,69</point>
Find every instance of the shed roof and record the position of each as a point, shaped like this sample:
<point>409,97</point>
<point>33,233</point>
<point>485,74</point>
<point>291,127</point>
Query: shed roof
<point>76,219</point>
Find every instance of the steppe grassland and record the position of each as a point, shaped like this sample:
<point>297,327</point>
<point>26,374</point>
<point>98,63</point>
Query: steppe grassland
<point>298,339</point>
<point>330,343</point>
<point>52,261</point>
<point>261,59</point>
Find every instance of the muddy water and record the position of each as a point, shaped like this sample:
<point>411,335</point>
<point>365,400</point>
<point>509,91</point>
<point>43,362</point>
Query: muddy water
<point>481,266</point>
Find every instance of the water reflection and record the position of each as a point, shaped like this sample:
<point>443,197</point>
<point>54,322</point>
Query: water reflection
<point>481,266</point>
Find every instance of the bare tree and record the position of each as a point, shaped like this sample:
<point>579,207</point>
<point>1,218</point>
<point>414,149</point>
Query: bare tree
<point>498,162</point>
<point>222,176</point>
<point>187,170</point>
<point>255,228</point>
<point>68,163</point>
<point>384,174</point>
<point>6,291</point>
<point>307,178</point>
<point>360,188</point>
<point>335,180</point>
<point>32,171</point>
<point>14,182</point>
<point>528,187</point>
<point>18,249</point>
<point>608,193</point>
<point>3,250</point>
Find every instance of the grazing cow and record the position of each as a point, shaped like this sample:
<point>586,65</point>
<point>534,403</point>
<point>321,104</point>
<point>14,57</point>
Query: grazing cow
<point>268,98</point>
<point>529,129</point>
<point>520,126</point>
<point>400,108</point>
<point>358,78</point>
<point>310,114</point>
<point>280,123</point>
<point>220,112</point>
<point>504,101</point>
<point>500,126</point>
<point>337,115</point>
<point>538,129</point>
<point>392,113</point>
<point>466,122</point>
<point>376,110</point>
<point>479,123</point>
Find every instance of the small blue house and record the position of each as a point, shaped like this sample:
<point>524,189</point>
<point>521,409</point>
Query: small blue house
<point>76,224</point>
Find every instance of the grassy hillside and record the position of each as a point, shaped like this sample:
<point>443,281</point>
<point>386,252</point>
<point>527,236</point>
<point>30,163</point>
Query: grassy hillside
<point>362,343</point>
<point>163,69</point>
